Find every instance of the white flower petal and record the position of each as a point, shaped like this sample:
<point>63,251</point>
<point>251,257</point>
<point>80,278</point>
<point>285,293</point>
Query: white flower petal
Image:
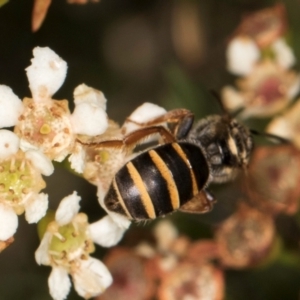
<point>144,113</point>
<point>59,283</point>
<point>36,208</point>
<point>9,143</point>
<point>145,250</point>
<point>84,93</point>
<point>88,119</point>
<point>25,146</point>
<point>40,161</point>
<point>284,54</point>
<point>77,158</point>
<point>67,209</point>
<point>41,254</point>
<point>242,53</point>
<point>231,98</point>
<point>10,107</point>
<point>46,73</point>
<point>165,233</point>
<point>120,220</point>
<point>92,278</point>
<point>280,127</point>
<point>8,222</point>
<point>106,232</point>
<point>294,89</point>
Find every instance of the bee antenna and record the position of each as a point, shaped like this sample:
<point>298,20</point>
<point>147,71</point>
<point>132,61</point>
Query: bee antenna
<point>271,136</point>
<point>216,95</point>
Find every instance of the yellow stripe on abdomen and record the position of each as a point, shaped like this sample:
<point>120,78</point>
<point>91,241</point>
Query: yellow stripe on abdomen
<point>182,154</point>
<point>138,182</point>
<point>167,175</point>
<point>120,199</point>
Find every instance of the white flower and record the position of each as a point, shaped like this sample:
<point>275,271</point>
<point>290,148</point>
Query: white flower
<point>45,124</point>
<point>59,283</point>
<point>85,94</point>
<point>283,54</point>
<point>46,73</point>
<point>40,161</point>
<point>9,144</point>
<point>42,256</point>
<point>36,208</point>
<point>242,54</point>
<point>66,246</point>
<point>143,114</point>
<point>20,184</point>
<point>165,233</point>
<point>106,232</point>
<point>89,116</point>
<point>77,158</point>
<point>91,276</point>
<point>10,107</point>
<point>8,222</point>
<point>68,208</point>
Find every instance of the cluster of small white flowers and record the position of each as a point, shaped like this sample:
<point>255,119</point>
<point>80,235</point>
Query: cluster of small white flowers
<point>44,129</point>
<point>260,55</point>
<point>268,85</point>
<point>66,245</point>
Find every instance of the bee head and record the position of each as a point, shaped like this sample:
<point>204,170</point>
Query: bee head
<point>226,143</point>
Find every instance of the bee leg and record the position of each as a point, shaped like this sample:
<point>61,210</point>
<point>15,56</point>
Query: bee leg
<point>183,128</point>
<point>106,144</point>
<point>181,119</point>
<point>139,135</point>
<point>201,203</point>
<point>135,137</point>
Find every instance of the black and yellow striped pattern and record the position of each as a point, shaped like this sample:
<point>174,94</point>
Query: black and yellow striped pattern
<point>159,181</point>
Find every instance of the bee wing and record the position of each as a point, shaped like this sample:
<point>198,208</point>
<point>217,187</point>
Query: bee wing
<point>203,202</point>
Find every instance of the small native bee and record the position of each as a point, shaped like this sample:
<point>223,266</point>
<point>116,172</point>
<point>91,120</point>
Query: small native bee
<point>175,174</point>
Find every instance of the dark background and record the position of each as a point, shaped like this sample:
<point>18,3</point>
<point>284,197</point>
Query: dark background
<point>132,51</point>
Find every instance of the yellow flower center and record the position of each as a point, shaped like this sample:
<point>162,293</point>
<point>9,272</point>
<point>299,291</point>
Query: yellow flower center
<point>70,242</point>
<point>16,180</point>
<point>45,129</point>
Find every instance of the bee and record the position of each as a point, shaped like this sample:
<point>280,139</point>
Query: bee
<point>175,174</point>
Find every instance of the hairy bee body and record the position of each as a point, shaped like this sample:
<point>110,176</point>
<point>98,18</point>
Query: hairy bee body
<point>158,181</point>
<point>175,175</point>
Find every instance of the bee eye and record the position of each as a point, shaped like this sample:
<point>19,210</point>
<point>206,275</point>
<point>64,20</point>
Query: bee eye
<point>216,160</point>
<point>213,149</point>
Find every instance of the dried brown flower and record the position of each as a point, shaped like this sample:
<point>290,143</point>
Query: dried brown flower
<point>192,281</point>
<point>130,279</point>
<point>273,179</point>
<point>245,239</point>
<point>264,26</point>
<point>39,12</point>
<point>267,90</point>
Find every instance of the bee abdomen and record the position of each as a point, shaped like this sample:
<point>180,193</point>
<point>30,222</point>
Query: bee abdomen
<point>158,182</point>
